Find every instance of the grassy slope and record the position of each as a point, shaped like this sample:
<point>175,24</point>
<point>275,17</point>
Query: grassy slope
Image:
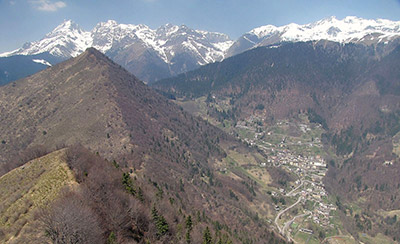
<point>27,188</point>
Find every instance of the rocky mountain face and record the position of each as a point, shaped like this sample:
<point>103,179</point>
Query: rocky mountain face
<point>348,30</point>
<point>91,101</point>
<point>345,88</point>
<point>149,54</point>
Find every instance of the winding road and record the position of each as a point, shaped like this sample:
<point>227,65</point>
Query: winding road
<point>283,211</point>
<point>287,224</point>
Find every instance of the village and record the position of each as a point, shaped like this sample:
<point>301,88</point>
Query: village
<point>301,155</point>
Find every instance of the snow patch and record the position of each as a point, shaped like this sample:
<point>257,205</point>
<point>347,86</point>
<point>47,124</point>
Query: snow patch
<point>41,61</point>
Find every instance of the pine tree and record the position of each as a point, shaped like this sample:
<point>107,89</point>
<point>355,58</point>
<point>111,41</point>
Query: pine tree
<point>160,222</point>
<point>162,226</point>
<point>189,223</point>
<point>188,237</point>
<point>189,227</point>
<point>154,213</point>
<point>128,183</point>
<point>207,239</point>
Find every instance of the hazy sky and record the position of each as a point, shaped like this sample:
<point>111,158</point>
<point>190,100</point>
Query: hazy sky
<point>30,20</point>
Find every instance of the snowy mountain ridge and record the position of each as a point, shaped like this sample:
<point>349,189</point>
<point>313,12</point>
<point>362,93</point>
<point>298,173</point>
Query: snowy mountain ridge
<point>69,40</point>
<point>348,30</point>
<point>154,54</point>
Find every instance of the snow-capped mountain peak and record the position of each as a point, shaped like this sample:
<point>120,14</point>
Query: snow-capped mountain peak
<point>350,29</point>
<point>66,40</point>
<point>264,30</point>
<point>64,27</point>
<point>167,29</point>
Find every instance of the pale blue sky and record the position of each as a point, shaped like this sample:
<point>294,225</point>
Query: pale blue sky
<point>30,20</point>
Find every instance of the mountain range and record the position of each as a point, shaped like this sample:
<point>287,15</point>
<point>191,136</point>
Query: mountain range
<point>153,54</point>
<point>150,54</point>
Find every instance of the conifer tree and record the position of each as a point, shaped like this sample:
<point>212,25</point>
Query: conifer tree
<point>189,223</point>
<point>207,239</point>
<point>189,227</point>
<point>188,237</point>
<point>160,222</point>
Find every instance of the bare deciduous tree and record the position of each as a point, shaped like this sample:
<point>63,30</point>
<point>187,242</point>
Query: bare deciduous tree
<point>70,221</point>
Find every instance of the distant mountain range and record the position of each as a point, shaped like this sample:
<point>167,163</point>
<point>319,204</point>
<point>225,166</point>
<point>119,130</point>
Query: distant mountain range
<point>150,54</point>
<point>170,49</point>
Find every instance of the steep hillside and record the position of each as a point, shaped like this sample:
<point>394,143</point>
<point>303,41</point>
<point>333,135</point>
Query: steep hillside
<point>28,188</point>
<point>286,79</point>
<point>374,107</point>
<point>322,76</point>
<point>90,100</point>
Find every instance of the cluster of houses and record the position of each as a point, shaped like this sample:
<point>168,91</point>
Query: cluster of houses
<point>309,169</point>
<point>321,214</point>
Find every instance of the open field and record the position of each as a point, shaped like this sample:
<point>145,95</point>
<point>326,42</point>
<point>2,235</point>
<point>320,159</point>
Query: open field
<point>28,188</point>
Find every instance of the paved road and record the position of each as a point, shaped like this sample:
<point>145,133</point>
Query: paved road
<point>295,189</point>
<point>283,211</point>
<point>282,231</point>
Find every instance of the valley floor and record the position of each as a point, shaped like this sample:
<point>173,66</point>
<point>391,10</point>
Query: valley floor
<point>302,209</point>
